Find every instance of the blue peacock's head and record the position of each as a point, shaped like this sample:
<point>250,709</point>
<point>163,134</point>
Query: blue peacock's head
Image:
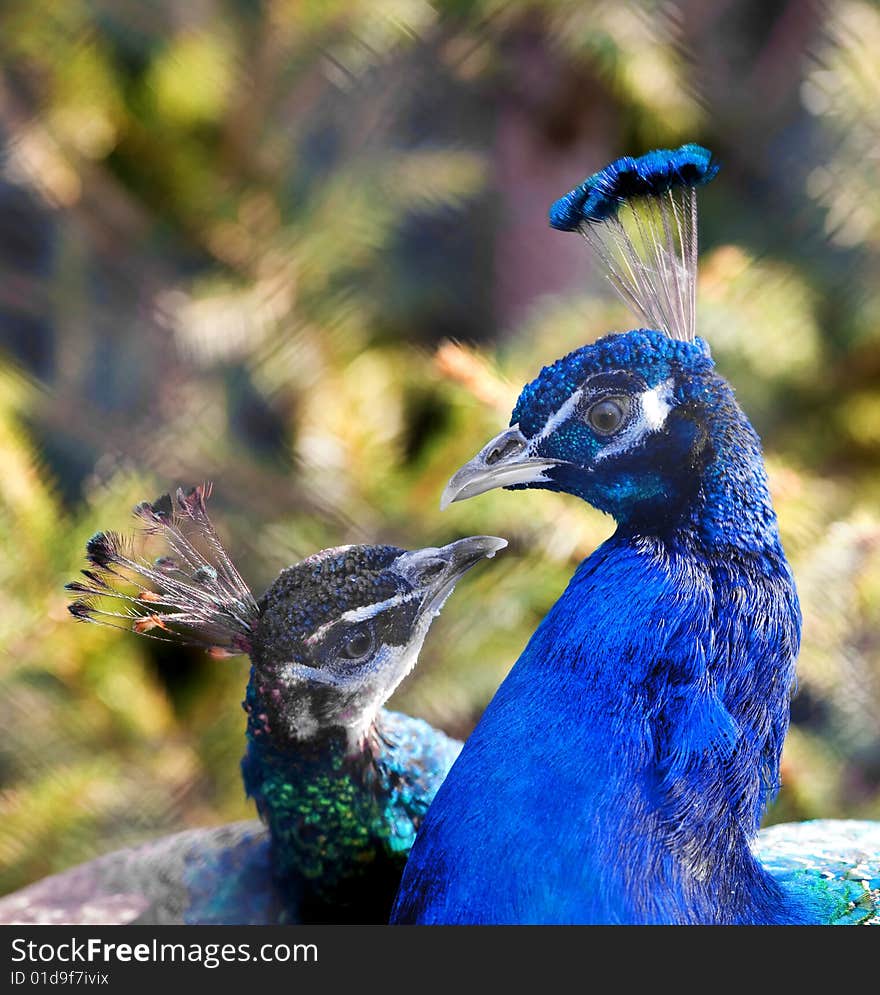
<point>638,424</point>
<point>338,632</point>
<point>624,423</point>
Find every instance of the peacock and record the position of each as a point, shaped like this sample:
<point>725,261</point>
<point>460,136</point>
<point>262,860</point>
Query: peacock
<point>620,773</point>
<point>340,783</point>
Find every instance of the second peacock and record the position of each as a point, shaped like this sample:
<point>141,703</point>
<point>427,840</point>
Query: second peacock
<point>340,782</point>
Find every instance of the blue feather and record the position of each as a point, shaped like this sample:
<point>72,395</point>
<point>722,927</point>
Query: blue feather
<point>657,172</point>
<point>620,773</point>
<point>584,795</point>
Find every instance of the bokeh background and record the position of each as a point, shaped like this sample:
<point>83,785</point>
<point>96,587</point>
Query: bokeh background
<point>299,248</point>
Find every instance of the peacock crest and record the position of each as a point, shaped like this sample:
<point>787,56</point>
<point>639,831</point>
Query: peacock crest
<point>640,217</point>
<point>192,593</point>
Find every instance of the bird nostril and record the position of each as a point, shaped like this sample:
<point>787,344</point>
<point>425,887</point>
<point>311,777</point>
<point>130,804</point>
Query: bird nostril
<point>432,569</point>
<point>510,447</point>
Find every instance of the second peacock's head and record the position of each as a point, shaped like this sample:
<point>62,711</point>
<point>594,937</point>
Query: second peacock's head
<point>338,632</point>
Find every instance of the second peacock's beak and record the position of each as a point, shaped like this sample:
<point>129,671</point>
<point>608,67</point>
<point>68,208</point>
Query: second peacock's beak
<point>436,571</point>
<point>503,461</point>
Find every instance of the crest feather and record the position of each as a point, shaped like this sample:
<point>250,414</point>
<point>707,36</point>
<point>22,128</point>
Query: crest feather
<point>640,216</point>
<point>192,594</point>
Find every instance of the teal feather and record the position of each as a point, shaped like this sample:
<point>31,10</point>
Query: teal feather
<point>838,855</point>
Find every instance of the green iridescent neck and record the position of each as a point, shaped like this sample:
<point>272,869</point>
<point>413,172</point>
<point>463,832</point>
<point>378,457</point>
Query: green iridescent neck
<point>341,822</point>
<point>324,809</point>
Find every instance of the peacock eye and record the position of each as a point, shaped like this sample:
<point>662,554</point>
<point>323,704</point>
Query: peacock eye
<point>607,416</point>
<point>357,644</point>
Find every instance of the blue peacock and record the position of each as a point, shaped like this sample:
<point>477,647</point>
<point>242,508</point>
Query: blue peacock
<point>620,773</point>
<point>341,784</point>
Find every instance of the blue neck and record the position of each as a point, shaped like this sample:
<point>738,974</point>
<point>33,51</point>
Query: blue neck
<point>732,509</point>
<point>622,768</point>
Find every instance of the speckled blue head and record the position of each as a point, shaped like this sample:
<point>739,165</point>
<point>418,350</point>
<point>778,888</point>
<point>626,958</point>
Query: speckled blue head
<point>329,641</point>
<point>657,172</point>
<point>642,427</point>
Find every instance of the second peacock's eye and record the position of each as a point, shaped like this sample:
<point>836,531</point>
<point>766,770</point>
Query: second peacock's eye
<point>607,416</point>
<point>357,644</point>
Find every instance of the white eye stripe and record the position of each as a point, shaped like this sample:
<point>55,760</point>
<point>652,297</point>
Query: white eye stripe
<point>559,416</point>
<point>655,404</point>
<point>363,613</point>
<point>370,611</point>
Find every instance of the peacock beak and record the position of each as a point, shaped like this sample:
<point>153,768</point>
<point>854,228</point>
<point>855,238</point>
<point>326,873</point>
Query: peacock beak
<point>435,571</point>
<point>503,461</point>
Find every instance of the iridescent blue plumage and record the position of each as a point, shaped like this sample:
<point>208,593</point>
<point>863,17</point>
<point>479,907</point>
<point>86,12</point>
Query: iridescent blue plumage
<point>660,679</point>
<point>620,773</point>
<point>601,195</point>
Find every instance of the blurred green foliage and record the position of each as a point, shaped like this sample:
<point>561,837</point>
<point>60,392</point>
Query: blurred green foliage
<point>234,237</point>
